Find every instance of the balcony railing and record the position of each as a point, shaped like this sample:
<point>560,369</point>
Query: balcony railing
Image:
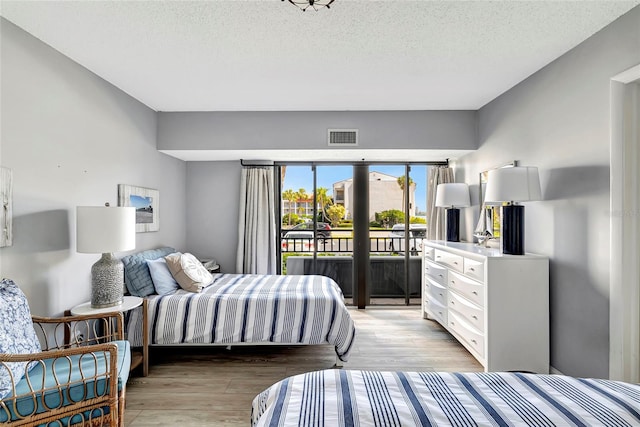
<point>342,245</point>
<point>387,269</point>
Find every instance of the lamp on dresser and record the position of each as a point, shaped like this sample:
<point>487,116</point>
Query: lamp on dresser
<point>104,229</point>
<point>512,185</point>
<point>453,196</point>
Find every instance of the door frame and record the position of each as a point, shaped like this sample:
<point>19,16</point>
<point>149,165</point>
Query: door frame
<point>624,275</point>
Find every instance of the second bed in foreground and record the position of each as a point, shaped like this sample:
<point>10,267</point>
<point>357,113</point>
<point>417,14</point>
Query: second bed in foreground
<point>371,398</point>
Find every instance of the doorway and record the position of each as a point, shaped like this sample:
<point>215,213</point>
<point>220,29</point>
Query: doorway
<point>624,310</point>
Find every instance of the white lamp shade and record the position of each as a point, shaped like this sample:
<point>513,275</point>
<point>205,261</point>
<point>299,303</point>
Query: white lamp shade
<point>516,184</point>
<point>102,229</point>
<point>452,195</point>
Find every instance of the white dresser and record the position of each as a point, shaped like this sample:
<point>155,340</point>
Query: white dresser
<point>496,305</point>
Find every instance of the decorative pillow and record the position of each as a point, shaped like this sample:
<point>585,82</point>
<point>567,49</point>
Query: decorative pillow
<point>188,272</point>
<point>17,335</point>
<point>163,281</point>
<point>136,272</point>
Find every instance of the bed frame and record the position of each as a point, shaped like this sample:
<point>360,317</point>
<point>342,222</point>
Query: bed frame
<point>144,351</point>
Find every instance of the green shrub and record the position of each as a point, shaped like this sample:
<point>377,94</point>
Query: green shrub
<point>390,217</point>
<point>295,219</point>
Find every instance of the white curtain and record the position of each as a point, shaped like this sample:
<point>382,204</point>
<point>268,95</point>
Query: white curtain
<point>436,220</point>
<point>257,225</point>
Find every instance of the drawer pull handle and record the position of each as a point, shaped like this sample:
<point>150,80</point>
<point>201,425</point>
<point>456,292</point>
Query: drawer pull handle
<point>441,294</point>
<point>440,275</point>
<point>474,341</point>
<point>475,317</point>
<point>472,269</point>
<point>453,324</point>
<point>455,262</point>
<point>475,292</point>
<point>453,282</point>
<point>453,303</point>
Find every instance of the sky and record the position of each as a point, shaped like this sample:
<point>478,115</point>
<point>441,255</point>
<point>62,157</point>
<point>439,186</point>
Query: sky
<point>139,201</point>
<point>297,177</point>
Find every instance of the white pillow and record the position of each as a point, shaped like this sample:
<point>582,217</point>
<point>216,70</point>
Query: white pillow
<point>188,272</point>
<point>163,281</point>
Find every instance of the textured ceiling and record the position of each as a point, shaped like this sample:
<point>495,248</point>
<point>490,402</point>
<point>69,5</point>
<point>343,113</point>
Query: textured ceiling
<point>358,55</point>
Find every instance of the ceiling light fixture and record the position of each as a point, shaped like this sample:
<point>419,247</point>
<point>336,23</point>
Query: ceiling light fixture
<point>314,4</point>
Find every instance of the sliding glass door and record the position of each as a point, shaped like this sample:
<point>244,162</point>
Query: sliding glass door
<point>361,225</point>
<point>397,214</point>
<point>316,230</point>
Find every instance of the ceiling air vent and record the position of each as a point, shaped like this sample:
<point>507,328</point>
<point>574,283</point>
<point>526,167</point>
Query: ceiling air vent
<point>343,137</point>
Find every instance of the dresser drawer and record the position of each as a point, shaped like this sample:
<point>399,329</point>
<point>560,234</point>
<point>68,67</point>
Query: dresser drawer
<point>428,252</point>
<point>436,272</point>
<point>435,290</point>
<point>453,261</point>
<point>470,336</point>
<point>469,288</point>
<point>474,269</point>
<point>473,314</point>
<point>436,310</point>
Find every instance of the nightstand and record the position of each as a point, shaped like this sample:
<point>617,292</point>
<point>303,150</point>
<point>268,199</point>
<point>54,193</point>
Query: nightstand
<point>128,303</point>
<point>211,265</point>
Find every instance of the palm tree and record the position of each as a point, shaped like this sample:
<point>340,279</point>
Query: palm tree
<point>302,194</point>
<point>291,196</point>
<point>323,199</point>
<point>401,183</point>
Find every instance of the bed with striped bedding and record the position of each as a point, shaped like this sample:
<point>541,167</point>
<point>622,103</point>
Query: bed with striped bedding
<point>335,397</point>
<point>256,309</point>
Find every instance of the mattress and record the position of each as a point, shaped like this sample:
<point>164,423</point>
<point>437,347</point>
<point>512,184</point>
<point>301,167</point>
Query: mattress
<point>372,398</point>
<point>257,309</point>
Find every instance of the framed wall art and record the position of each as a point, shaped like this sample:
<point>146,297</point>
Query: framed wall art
<point>147,203</point>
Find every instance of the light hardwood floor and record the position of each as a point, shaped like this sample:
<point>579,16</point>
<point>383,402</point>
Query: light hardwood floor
<point>214,386</point>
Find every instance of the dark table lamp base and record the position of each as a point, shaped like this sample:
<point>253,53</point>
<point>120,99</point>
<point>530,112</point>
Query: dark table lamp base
<point>513,230</point>
<point>453,225</point>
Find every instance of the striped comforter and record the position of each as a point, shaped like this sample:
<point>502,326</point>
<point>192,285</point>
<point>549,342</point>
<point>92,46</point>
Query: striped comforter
<point>238,308</point>
<point>335,398</point>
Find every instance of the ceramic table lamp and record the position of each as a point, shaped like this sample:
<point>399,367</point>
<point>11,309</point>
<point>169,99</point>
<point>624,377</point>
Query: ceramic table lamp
<point>453,196</point>
<point>512,185</point>
<point>104,229</point>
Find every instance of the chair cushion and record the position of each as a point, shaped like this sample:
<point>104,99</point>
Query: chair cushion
<point>73,390</point>
<point>188,272</point>
<point>136,271</point>
<point>17,335</point>
<point>163,281</point>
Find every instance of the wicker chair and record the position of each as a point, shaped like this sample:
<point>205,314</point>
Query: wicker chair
<point>78,379</point>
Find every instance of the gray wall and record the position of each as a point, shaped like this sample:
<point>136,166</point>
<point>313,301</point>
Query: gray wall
<point>308,130</point>
<point>70,139</point>
<point>213,199</point>
<point>558,120</point>
<point>213,187</point>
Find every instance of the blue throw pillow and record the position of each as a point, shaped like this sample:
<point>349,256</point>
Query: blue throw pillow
<point>17,335</point>
<point>163,281</point>
<point>136,272</point>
